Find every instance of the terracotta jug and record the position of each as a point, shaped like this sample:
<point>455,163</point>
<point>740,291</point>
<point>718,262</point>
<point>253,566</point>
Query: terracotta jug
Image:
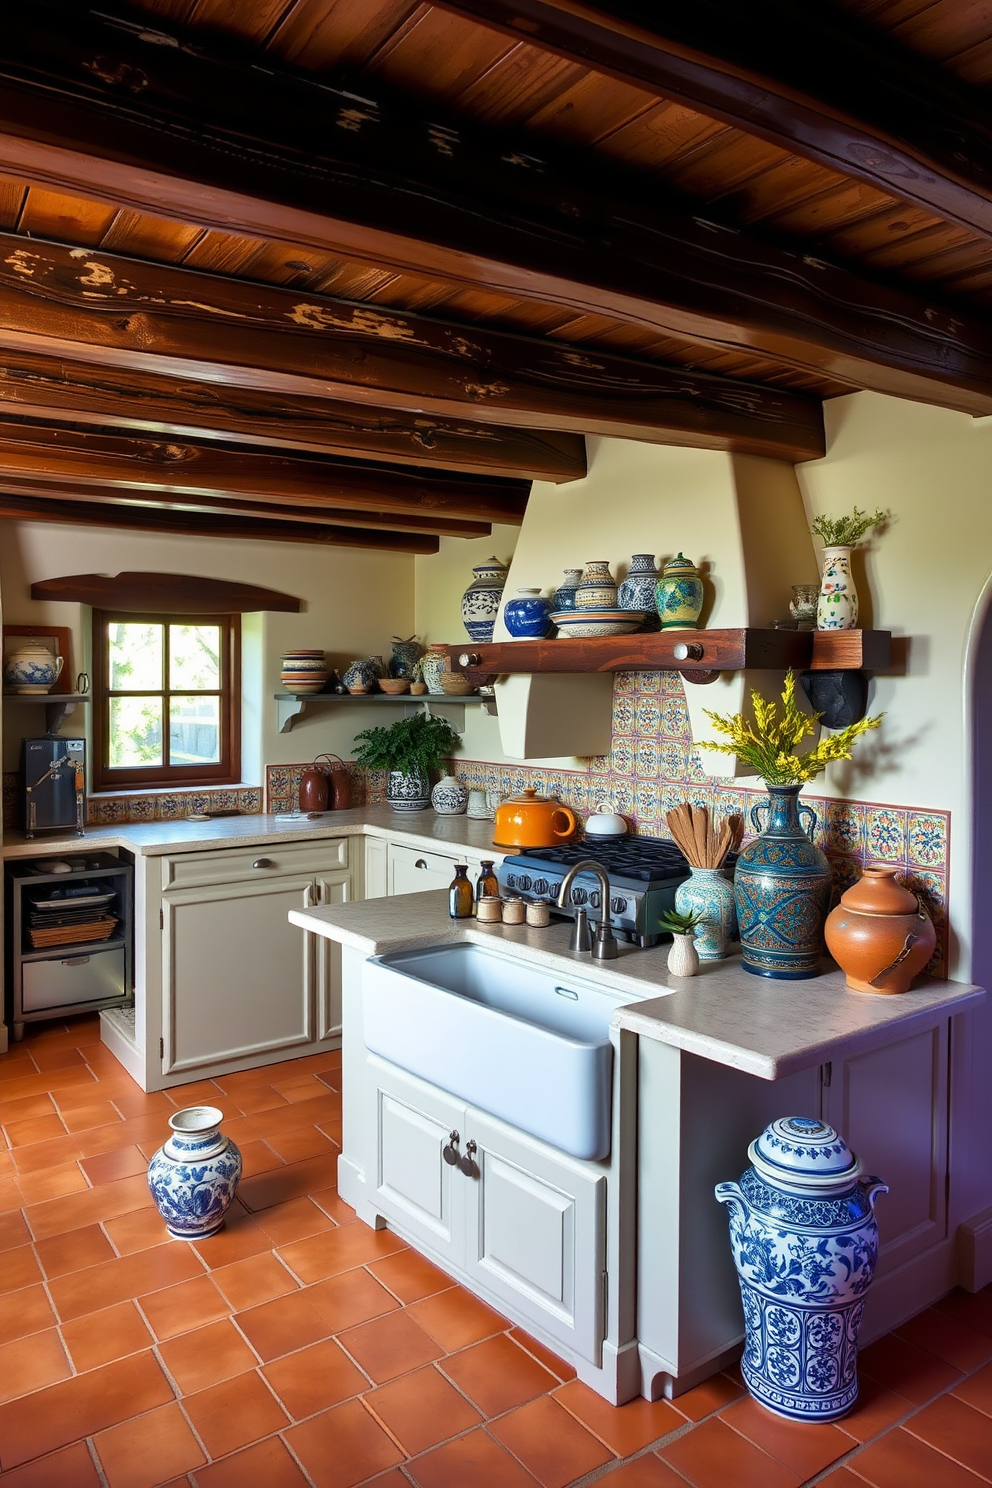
<point>879,934</point>
<point>314,793</point>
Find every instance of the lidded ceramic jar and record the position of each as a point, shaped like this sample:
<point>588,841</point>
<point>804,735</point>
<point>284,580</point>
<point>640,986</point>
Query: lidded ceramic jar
<point>530,820</point>
<point>679,595</point>
<point>597,588</point>
<point>879,934</point>
<point>805,1244</point>
<point>32,668</point>
<point>480,602</point>
<point>194,1176</point>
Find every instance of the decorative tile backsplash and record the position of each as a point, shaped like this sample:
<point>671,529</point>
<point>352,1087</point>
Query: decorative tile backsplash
<point>106,811</point>
<point>653,765</point>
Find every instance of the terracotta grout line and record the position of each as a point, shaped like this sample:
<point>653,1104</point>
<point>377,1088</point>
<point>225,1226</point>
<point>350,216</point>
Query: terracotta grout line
<point>90,1446</point>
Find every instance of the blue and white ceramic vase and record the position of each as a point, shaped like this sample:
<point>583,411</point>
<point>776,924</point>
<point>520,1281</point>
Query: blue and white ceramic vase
<point>564,596</point>
<point>363,674</point>
<point>679,595</point>
<point>406,654</point>
<point>805,1244</point>
<point>195,1175</point>
<point>837,606</point>
<point>480,602</point>
<point>432,665</point>
<point>782,890</point>
<point>637,592</point>
<point>449,797</point>
<point>32,669</point>
<point>528,616</point>
<point>408,792</point>
<point>709,893</point>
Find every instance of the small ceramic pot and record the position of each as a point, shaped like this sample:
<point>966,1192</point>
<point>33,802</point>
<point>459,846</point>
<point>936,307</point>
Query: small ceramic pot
<point>683,958</point>
<point>363,674</point>
<point>478,806</point>
<point>837,607</point>
<point>803,605</point>
<point>406,654</point>
<point>879,934</point>
<point>527,617</point>
<point>513,911</point>
<point>32,668</point>
<point>597,588</point>
<point>480,602</point>
<point>408,792</point>
<point>679,595</point>
<point>432,665</point>
<point>709,893</point>
<point>637,592</point>
<point>449,797</point>
<point>489,909</point>
<point>564,596</point>
<point>538,913</point>
<point>195,1175</point>
<point>605,823</point>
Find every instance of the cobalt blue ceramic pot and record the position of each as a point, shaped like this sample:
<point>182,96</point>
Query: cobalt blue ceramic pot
<point>195,1175</point>
<point>805,1244</point>
<point>782,891</point>
<point>528,616</point>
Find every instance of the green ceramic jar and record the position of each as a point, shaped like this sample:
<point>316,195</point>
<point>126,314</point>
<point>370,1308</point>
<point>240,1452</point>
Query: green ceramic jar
<point>679,595</point>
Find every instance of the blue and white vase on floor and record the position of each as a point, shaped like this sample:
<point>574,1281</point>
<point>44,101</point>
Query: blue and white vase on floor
<point>709,893</point>
<point>528,616</point>
<point>805,1244</point>
<point>195,1175</point>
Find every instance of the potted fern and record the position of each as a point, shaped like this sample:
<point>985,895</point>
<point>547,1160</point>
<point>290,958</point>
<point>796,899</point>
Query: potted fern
<point>410,750</point>
<point>837,607</point>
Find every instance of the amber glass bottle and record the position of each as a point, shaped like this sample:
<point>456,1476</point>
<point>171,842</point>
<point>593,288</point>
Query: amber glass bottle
<point>461,903</point>
<point>487,884</point>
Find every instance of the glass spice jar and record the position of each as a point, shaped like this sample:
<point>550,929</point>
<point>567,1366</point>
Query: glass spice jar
<point>461,900</point>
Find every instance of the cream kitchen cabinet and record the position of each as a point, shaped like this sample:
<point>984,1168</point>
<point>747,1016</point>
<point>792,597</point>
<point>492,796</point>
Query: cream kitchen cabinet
<point>411,870</point>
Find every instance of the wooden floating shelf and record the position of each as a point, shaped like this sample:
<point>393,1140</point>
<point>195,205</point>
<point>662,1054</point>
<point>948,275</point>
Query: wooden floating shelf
<point>293,705</point>
<point>57,704</point>
<point>699,654</point>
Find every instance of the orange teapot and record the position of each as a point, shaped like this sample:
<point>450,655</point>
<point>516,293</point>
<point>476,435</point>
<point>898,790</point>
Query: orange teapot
<point>530,820</point>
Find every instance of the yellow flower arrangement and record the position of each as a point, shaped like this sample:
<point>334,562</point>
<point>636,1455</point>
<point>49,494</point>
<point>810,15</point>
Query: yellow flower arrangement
<point>769,744</point>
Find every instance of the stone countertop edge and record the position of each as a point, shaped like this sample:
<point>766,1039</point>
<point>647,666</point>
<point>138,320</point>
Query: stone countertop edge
<point>763,1027</point>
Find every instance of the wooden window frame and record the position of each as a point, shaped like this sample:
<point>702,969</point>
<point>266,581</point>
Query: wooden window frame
<point>149,777</point>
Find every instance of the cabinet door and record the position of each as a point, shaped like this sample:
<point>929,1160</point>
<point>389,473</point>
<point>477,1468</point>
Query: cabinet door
<point>409,1179</point>
<point>237,976</point>
<point>890,1105</point>
<point>411,871</point>
<point>376,868</point>
<point>332,888</point>
<point>536,1233</point>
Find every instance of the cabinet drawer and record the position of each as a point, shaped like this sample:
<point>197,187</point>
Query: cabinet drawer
<point>94,976</point>
<point>188,870</point>
<point>411,870</point>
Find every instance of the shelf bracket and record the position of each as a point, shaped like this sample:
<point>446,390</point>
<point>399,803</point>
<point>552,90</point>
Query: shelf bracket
<point>289,709</point>
<point>55,714</point>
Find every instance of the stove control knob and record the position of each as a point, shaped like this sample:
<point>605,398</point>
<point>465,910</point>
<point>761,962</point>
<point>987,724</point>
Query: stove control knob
<point>618,905</point>
<point>523,882</point>
<point>595,899</point>
<point>511,880</point>
<point>579,896</point>
<point>541,886</point>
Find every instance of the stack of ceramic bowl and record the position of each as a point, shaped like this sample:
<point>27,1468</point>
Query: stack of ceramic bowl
<point>304,670</point>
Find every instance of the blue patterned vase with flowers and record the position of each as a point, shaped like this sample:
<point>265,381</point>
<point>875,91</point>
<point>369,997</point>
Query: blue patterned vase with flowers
<point>805,1244</point>
<point>195,1175</point>
<point>528,615</point>
<point>782,890</point>
<point>679,595</point>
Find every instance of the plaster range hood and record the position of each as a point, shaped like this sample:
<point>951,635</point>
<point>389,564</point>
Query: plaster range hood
<point>740,518</point>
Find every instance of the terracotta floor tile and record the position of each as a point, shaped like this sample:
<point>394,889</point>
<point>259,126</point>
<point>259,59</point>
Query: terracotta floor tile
<point>339,1250</point>
<point>315,1378</point>
<point>56,1057</point>
<point>292,1182</point>
<point>24,1312</point>
<point>309,1142</point>
<point>95,1204</point>
<point>179,1309</point>
<point>13,1230</point>
<point>265,1465</point>
<point>41,1155</point>
<point>646,1472</point>
<point>31,1363</point>
<point>206,1356</point>
<point>19,1269</point>
<point>875,1410</point>
<point>805,1447</point>
<point>82,1118</point>
<point>422,1410</point>
<point>39,1129</point>
<point>625,1428</point>
<point>456,1318</point>
<point>52,1183</point>
<point>497,1375</point>
<point>409,1276</point>
<point>974,1309</point>
<point>11,1194</point>
<point>130,1276</point>
<point>198,1093</point>
<point>899,1460</point>
<point>104,1090</point>
<point>257,1160</point>
<point>708,1397</point>
<point>99,1337</point>
<point>254,1281</point>
<point>146,1131</point>
<point>145,1451</point>
<point>543,1355</point>
<point>332,1204</point>
<point>110,1166</point>
<point>953,1341</point>
<point>28,1109</point>
<point>299,1088</point>
<point>73,1467</point>
<point>958,1430</point>
<point>74,1251</point>
<point>79,1407</point>
<point>141,1230</point>
<point>472,1459</point>
<point>977,1390</point>
<point>389,1346</point>
<point>140,1103</point>
<point>550,1443</point>
<point>910,1371</point>
<point>293,1221</point>
<point>263,1098</point>
<point>305,1317</point>
<point>298,1116</point>
<point>343,1446</point>
<point>24,1085</point>
<point>239,1239</point>
<point>713,1456</point>
<point>233,1413</point>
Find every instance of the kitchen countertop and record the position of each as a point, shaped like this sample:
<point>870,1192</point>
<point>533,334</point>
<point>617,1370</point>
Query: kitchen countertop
<point>766,1028</point>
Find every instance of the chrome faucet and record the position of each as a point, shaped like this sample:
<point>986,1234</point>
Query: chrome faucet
<point>604,946</point>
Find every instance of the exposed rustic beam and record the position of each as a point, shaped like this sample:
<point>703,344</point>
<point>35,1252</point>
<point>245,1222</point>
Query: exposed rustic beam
<point>38,509</point>
<point>810,77</point>
<point>39,387</point>
<point>131,314</point>
<point>131,462</point>
<point>176,594</point>
<point>148,120</point>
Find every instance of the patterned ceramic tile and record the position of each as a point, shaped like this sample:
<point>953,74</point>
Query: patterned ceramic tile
<point>885,834</point>
<point>927,838</point>
<point>673,759</point>
<point>844,826</point>
<point>647,760</point>
<point>624,713</point>
<point>675,719</point>
<point>624,682</point>
<point>647,717</point>
<point>649,683</point>
<point>623,757</point>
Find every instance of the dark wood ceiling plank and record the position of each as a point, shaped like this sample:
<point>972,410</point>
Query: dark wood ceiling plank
<point>154,318</point>
<point>90,103</point>
<point>863,103</point>
<point>177,594</point>
<point>59,390</point>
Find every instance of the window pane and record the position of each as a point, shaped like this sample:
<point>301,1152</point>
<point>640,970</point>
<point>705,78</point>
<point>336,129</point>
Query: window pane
<point>135,656</point>
<point>135,731</point>
<point>194,657</point>
<point>194,730</point>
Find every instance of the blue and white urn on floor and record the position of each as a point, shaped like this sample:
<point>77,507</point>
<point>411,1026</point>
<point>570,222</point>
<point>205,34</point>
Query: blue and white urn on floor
<point>195,1175</point>
<point>805,1243</point>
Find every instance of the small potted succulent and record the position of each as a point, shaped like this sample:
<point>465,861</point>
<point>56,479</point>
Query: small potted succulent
<point>683,958</point>
<point>410,750</point>
<point>837,607</point>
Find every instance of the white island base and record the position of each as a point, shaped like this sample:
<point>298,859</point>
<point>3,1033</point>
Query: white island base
<point>622,1266</point>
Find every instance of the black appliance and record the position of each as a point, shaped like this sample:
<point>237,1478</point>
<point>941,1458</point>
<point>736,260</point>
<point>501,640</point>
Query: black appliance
<point>52,785</point>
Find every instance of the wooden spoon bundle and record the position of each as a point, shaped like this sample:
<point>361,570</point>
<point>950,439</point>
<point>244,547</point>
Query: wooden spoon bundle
<point>698,838</point>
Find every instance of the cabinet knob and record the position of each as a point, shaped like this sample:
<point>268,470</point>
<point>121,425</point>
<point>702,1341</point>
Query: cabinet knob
<point>688,651</point>
<point>421,863</point>
<point>263,863</point>
<point>468,1167</point>
<point>450,1153</point>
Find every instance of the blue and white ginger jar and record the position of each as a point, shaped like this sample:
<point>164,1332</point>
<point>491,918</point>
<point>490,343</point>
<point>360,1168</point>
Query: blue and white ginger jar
<point>805,1244</point>
<point>195,1175</point>
<point>480,602</point>
<point>449,797</point>
<point>528,615</point>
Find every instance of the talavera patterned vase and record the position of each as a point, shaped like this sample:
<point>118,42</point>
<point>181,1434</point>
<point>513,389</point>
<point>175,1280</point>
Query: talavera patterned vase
<point>564,596</point>
<point>709,893</point>
<point>805,1244</point>
<point>480,602</point>
<point>597,588</point>
<point>195,1175</point>
<point>837,607</point>
<point>679,595</point>
<point>408,792</point>
<point>637,592</point>
<point>782,889</point>
<point>449,797</point>
<point>528,615</point>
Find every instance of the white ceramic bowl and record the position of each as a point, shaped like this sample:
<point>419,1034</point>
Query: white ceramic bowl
<point>586,624</point>
<point>605,824</point>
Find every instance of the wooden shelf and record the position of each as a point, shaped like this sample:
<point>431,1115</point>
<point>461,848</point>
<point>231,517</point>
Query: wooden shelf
<point>57,704</point>
<point>709,653</point>
<point>293,705</point>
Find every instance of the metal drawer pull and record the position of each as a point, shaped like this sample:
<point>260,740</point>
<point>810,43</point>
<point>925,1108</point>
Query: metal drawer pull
<point>449,1153</point>
<point>421,863</point>
<point>263,863</point>
<point>76,961</point>
<point>468,1167</point>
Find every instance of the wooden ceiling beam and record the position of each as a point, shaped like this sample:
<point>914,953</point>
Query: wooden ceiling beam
<point>195,524</point>
<point>127,313</point>
<point>812,78</point>
<point>73,455</point>
<point>149,120</point>
<point>39,387</point>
